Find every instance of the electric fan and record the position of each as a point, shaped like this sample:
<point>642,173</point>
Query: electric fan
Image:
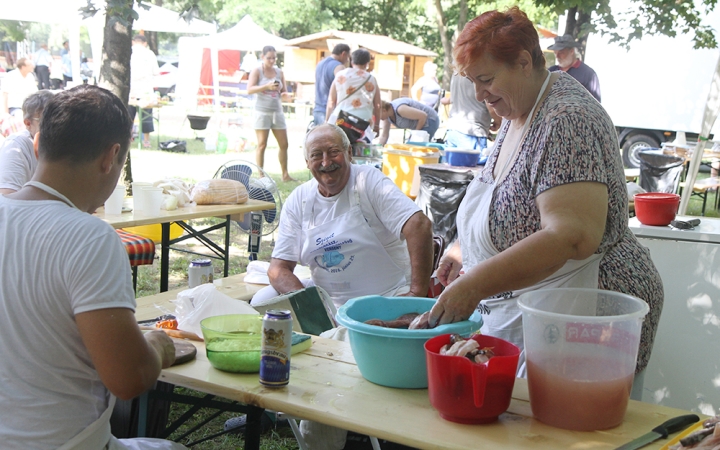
<point>260,187</point>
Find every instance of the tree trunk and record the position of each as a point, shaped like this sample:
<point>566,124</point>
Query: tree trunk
<point>115,68</point>
<point>447,45</point>
<point>576,20</point>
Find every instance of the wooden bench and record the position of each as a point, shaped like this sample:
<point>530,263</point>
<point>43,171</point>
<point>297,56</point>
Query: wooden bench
<point>701,188</point>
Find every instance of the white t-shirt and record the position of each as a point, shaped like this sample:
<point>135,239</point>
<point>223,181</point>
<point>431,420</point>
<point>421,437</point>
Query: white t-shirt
<point>17,160</point>
<point>18,88</point>
<point>383,205</point>
<point>143,68</point>
<point>56,262</point>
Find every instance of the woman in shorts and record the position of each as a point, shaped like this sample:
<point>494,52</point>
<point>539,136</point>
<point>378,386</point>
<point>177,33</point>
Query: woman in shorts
<point>268,82</point>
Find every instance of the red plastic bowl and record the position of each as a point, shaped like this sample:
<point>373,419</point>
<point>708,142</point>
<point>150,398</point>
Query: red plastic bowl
<point>656,208</point>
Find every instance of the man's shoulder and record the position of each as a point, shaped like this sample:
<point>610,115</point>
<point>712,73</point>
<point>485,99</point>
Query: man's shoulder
<point>21,139</point>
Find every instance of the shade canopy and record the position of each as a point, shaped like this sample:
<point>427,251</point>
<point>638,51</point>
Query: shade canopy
<point>245,36</point>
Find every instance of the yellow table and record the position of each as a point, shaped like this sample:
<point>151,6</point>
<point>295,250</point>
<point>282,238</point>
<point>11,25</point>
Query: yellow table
<point>180,216</point>
<point>326,386</point>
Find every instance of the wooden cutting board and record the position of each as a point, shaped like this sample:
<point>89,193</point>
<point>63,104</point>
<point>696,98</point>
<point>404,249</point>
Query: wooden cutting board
<point>184,351</point>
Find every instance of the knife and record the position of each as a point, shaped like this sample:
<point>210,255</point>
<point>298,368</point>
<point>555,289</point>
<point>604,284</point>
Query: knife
<point>662,431</point>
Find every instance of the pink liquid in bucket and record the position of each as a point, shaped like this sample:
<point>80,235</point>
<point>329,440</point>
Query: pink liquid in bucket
<point>467,392</point>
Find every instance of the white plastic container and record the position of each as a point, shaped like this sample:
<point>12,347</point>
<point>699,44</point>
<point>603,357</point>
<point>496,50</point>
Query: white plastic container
<point>581,347</point>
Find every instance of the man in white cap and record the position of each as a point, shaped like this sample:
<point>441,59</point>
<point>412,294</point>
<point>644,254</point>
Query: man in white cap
<point>568,61</point>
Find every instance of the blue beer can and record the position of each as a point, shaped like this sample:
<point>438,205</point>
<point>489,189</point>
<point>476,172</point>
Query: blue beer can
<point>276,348</point>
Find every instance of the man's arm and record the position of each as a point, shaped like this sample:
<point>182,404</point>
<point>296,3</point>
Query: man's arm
<point>281,276</point>
<point>332,102</point>
<point>128,362</point>
<point>385,131</point>
<point>418,234</point>
<point>411,113</point>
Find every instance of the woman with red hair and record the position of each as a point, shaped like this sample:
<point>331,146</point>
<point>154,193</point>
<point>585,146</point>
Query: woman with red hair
<point>550,208</point>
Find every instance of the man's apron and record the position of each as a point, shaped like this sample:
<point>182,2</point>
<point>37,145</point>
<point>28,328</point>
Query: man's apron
<point>501,315</point>
<point>346,258</point>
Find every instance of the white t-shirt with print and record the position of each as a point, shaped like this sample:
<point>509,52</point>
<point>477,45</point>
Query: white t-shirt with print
<point>56,262</point>
<point>382,203</point>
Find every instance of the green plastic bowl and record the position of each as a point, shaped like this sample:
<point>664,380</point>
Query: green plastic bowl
<point>233,342</point>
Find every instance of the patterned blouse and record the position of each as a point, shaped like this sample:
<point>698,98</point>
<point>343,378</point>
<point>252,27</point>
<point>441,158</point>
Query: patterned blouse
<point>572,139</point>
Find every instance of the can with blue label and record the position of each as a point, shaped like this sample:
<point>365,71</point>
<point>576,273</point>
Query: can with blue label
<point>276,348</point>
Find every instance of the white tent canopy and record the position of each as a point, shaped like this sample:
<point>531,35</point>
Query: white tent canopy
<point>66,12</point>
<point>245,36</point>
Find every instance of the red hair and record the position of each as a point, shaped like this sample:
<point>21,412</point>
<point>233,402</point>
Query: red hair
<point>501,34</point>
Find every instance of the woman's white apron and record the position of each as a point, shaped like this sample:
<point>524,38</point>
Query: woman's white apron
<point>346,258</point>
<point>501,315</point>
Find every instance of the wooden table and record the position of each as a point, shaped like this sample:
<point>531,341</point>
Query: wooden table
<point>180,216</point>
<point>326,386</point>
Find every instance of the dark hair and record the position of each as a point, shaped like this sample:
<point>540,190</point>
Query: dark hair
<point>267,49</point>
<point>35,103</point>
<point>501,34</point>
<point>140,38</point>
<point>341,48</point>
<point>360,57</point>
<point>80,123</point>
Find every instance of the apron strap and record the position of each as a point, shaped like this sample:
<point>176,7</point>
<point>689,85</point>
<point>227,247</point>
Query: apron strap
<point>96,435</point>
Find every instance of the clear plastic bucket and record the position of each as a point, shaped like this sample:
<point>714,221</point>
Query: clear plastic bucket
<point>581,348</point>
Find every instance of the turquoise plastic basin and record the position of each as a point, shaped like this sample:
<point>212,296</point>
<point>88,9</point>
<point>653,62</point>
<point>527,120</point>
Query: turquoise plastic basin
<point>389,356</point>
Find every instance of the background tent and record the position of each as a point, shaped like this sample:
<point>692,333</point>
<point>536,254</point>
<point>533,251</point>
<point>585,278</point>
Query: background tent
<point>202,58</point>
<point>66,12</point>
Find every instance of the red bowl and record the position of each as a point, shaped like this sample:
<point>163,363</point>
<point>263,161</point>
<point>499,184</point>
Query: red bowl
<point>656,208</point>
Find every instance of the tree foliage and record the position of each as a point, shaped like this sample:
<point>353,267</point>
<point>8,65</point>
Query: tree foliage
<point>637,18</point>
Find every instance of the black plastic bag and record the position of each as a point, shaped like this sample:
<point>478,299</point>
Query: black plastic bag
<point>441,192</point>
<point>660,172</point>
<point>174,146</point>
<point>353,126</point>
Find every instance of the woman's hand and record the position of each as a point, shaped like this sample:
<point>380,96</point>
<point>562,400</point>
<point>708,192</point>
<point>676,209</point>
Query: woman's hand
<point>455,304</point>
<point>272,86</point>
<point>450,265</point>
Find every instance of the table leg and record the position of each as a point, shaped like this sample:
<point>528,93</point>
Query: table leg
<point>142,415</point>
<point>141,136</point>
<point>227,245</point>
<point>165,257</point>
<point>253,428</point>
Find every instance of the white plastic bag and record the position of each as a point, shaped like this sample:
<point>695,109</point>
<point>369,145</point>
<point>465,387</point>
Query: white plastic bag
<point>196,304</point>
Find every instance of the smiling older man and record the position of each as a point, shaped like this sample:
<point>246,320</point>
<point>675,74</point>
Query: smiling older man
<point>352,226</point>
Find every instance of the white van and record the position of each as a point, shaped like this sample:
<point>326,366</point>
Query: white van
<point>658,87</point>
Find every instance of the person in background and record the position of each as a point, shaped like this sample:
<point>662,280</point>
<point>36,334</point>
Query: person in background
<point>56,74</point>
<point>42,60</point>
<point>268,82</point>
<point>470,121</point>
<point>81,303</point>
<point>426,89</point>
<point>550,207</point>
<point>143,69</point>
<point>567,58</point>
<point>358,92</point>
<point>17,155</point>
<point>325,74</point>
<point>66,63</point>
<point>408,114</point>
<point>17,85</point>
<point>383,240</point>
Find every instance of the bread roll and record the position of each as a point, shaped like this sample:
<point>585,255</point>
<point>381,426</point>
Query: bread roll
<point>220,191</point>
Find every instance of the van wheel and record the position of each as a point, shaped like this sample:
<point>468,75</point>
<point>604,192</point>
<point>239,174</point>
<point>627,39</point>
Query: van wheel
<point>633,144</point>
